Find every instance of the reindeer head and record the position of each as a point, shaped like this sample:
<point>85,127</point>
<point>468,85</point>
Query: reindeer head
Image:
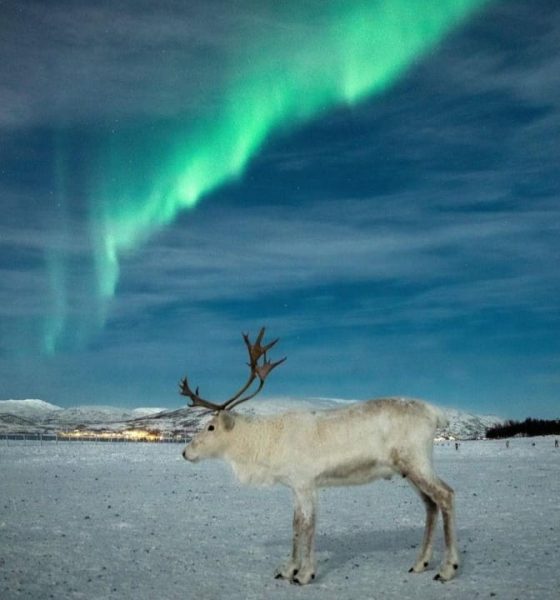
<point>212,441</point>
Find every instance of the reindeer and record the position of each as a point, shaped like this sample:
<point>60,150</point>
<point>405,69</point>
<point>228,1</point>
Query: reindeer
<point>308,450</point>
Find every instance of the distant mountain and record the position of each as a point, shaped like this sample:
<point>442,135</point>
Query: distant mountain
<point>28,408</point>
<point>86,415</point>
<point>34,416</point>
<point>14,424</point>
<point>468,426</point>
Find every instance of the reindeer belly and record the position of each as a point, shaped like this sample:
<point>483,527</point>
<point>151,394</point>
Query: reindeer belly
<point>355,472</point>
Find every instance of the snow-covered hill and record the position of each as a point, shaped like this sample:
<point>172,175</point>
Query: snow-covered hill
<point>38,416</point>
<point>28,408</point>
<point>34,416</point>
<point>86,415</point>
<point>467,426</point>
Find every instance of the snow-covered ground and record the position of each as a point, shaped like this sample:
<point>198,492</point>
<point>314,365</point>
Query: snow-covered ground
<point>135,521</point>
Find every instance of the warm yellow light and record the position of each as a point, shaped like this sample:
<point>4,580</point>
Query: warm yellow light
<point>129,434</point>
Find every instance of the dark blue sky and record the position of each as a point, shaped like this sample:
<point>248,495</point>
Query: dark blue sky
<point>405,245</point>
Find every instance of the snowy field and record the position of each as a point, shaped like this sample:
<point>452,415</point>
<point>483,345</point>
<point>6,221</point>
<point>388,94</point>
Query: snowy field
<point>136,521</point>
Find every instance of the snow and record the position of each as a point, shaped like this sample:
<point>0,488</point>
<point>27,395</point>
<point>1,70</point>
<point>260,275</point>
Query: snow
<point>28,408</point>
<point>38,416</point>
<point>466,425</point>
<point>146,411</point>
<point>136,521</point>
<point>100,414</point>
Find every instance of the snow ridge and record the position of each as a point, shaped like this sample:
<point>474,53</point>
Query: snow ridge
<point>31,407</point>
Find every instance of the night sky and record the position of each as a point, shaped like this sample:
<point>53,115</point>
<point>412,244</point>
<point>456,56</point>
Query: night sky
<point>377,182</point>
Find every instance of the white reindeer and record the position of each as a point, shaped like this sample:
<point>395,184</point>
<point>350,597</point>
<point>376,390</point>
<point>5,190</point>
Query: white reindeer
<point>307,450</point>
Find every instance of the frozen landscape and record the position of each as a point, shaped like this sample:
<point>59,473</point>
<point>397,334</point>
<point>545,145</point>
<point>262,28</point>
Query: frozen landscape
<point>136,521</point>
<point>39,417</point>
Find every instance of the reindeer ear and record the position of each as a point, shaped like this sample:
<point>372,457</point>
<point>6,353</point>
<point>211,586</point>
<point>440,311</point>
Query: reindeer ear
<point>227,420</point>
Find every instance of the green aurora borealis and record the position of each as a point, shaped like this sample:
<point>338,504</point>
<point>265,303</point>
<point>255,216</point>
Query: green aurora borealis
<point>355,50</point>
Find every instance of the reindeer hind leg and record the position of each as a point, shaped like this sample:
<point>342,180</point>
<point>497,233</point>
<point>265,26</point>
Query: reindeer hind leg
<point>451,560</point>
<point>425,554</point>
<point>443,496</point>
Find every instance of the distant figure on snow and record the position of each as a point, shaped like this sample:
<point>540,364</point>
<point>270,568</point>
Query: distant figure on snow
<point>507,443</point>
<point>456,445</point>
<point>556,443</point>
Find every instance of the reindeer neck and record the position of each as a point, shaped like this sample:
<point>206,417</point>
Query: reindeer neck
<point>252,438</point>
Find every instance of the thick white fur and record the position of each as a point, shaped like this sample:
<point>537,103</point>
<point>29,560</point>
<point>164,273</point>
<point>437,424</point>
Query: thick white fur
<point>355,444</point>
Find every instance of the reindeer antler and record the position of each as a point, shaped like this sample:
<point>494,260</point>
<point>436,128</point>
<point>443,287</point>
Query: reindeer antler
<point>258,370</point>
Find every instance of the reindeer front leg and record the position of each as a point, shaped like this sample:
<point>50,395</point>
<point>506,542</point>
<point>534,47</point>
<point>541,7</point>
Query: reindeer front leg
<point>301,567</point>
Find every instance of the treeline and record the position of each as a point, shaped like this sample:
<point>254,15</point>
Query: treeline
<point>529,427</point>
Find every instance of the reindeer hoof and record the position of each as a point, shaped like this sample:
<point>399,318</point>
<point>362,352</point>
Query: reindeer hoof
<point>282,576</point>
<point>447,572</point>
<point>419,567</point>
<point>287,572</point>
<point>302,580</point>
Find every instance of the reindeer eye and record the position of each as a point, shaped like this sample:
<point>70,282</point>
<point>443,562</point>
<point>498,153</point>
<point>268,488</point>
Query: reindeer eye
<point>211,428</point>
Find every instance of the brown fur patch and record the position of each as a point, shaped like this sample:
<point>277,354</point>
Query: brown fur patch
<point>349,470</point>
